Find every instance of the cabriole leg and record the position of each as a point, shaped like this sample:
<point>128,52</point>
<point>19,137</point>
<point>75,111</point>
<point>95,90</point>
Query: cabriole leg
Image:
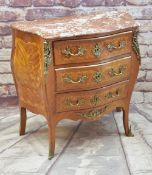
<point>127,129</point>
<point>51,134</point>
<point>22,120</point>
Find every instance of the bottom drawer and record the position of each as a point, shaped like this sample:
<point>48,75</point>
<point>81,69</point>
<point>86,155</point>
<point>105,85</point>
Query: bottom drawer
<point>74,101</point>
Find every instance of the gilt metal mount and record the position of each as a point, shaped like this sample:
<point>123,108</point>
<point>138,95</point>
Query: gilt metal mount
<point>68,52</point>
<point>97,76</point>
<point>118,72</point>
<point>97,50</point>
<point>79,102</point>
<point>47,56</point>
<point>95,100</point>
<point>130,134</point>
<point>136,46</point>
<point>95,113</point>
<point>80,79</point>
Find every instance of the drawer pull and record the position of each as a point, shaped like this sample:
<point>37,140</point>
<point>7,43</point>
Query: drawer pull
<point>94,113</point>
<point>111,94</point>
<point>118,72</point>
<point>81,79</point>
<point>78,102</point>
<point>97,50</point>
<point>121,45</point>
<point>97,76</point>
<point>68,53</point>
<point>95,100</point>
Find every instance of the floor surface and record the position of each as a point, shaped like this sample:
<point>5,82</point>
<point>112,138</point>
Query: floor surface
<point>82,148</point>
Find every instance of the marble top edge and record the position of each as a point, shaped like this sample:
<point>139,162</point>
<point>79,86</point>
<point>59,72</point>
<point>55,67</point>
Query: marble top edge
<point>77,25</point>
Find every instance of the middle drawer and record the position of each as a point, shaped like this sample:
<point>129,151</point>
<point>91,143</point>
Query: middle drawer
<point>92,76</point>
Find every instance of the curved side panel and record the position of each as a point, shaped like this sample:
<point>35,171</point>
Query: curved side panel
<point>27,62</point>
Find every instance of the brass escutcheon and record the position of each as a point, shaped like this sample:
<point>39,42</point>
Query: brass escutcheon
<point>95,100</point>
<point>97,50</point>
<point>97,76</point>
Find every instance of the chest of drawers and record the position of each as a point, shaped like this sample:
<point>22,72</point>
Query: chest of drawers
<point>77,67</point>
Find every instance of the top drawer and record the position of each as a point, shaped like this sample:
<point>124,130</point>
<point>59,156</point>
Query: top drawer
<point>94,49</point>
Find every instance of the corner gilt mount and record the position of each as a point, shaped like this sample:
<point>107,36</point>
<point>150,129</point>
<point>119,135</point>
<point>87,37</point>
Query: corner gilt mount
<point>136,46</point>
<point>48,58</point>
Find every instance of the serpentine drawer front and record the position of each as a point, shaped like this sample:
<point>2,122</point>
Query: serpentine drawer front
<point>77,67</point>
<point>94,49</point>
<point>93,76</point>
